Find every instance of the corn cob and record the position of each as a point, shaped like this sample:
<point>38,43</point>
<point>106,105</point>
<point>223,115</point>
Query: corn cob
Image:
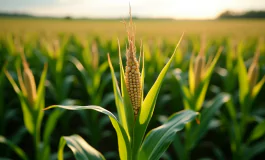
<point>29,81</point>
<point>132,73</point>
<point>95,56</point>
<point>199,67</point>
<point>253,72</point>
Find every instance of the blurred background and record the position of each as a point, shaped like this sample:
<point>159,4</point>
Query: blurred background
<point>165,18</point>
<point>73,37</point>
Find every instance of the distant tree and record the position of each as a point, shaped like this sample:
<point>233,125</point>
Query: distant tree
<point>68,18</point>
<point>249,14</point>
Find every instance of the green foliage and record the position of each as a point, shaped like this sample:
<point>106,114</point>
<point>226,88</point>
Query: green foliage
<point>231,117</point>
<point>157,140</point>
<point>81,150</point>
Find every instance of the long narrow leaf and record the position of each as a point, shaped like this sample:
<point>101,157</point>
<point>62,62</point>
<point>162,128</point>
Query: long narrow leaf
<point>87,80</point>
<point>243,79</point>
<point>122,110</point>
<point>158,139</point>
<point>254,150</point>
<point>142,75</point>
<point>179,147</point>
<point>51,124</point>
<point>27,111</point>
<point>258,131</point>
<point>206,116</point>
<point>191,75</point>
<point>41,88</point>
<point>148,106</point>
<point>258,87</point>
<point>14,147</point>
<point>81,149</point>
<point>128,109</point>
<point>123,140</point>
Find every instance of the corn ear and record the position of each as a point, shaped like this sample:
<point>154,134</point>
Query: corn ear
<point>21,83</point>
<point>95,57</point>
<point>132,73</point>
<point>29,82</point>
<point>199,68</point>
<point>253,72</point>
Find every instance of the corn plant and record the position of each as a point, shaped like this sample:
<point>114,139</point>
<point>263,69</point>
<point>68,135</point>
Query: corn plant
<point>31,99</point>
<point>134,113</point>
<point>59,85</point>
<point>92,72</point>
<point>229,72</point>
<point>244,144</point>
<point>199,75</point>
<point>32,104</point>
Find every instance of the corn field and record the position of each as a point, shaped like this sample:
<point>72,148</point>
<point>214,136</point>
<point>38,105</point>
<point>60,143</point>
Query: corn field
<point>199,98</point>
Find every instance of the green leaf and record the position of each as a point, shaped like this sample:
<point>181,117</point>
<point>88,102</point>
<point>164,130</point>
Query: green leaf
<point>179,148</point>
<point>254,150</point>
<point>13,83</point>
<point>187,95</point>
<point>49,127</point>
<point>28,116</point>
<point>87,80</point>
<point>68,80</point>
<point>81,149</point>
<point>258,87</point>
<point>142,75</point>
<point>201,92</point>
<point>98,75</point>
<point>213,63</point>
<point>206,116</point>
<point>191,75</point>
<point>41,88</point>
<point>200,96</point>
<point>258,131</point>
<point>243,79</point>
<point>14,147</point>
<point>2,75</point>
<point>125,112</point>
<point>148,106</point>
<point>129,115</point>
<point>123,140</point>
<point>2,108</point>
<point>158,139</point>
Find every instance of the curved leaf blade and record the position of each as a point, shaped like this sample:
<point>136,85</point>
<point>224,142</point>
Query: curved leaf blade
<point>258,131</point>
<point>123,140</point>
<point>128,108</point>
<point>254,150</point>
<point>206,116</point>
<point>41,90</point>
<point>243,80</point>
<point>81,149</point>
<point>158,139</point>
<point>148,106</point>
<point>200,95</point>
<point>14,147</point>
<point>125,113</point>
<point>27,111</point>
<point>258,87</point>
<point>51,123</point>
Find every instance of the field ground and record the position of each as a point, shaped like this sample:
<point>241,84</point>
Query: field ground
<point>166,29</point>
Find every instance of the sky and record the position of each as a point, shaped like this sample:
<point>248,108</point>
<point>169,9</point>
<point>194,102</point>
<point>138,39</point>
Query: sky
<point>177,9</point>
